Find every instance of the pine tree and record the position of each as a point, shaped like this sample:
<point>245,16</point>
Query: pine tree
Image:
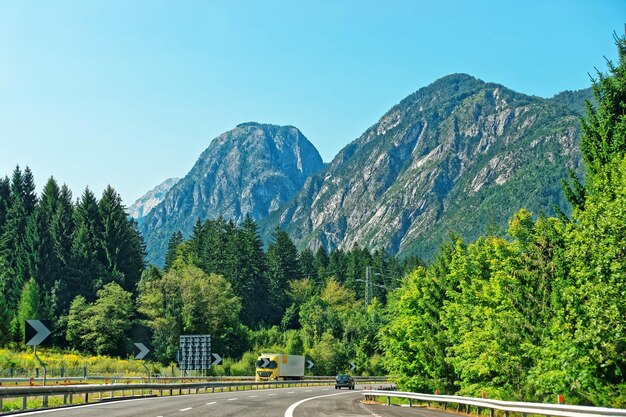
<point>172,248</point>
<point>321,265</point>
<point>13,259</point>
<point>5,321</point>
<point>5,201</point>
<point>87,272</point>
<point>28,309</point>
<point>253,291</point>
<point>307,263</point>
<point>114,240</point>
<point>44,264</point>
<point>282,267</point>
<point>604,128</point>
<point>61,232</point>
<point>28,191</point>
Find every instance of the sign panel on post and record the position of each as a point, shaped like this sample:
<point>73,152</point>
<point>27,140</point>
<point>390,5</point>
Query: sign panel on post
<point>143,351</point>
<point>36,331</point>
<point>195,352</point>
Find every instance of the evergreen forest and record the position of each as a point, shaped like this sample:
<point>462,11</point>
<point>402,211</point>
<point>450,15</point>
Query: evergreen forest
<point>525,314</point>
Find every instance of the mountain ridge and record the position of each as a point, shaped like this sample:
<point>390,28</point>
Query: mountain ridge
<point>413,158</point>
<point>456,145</point>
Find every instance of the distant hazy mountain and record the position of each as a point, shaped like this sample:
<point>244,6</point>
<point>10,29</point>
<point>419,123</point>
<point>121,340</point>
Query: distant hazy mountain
<point>460,155</point>
<point>250,170</point>
<point>151,199</point>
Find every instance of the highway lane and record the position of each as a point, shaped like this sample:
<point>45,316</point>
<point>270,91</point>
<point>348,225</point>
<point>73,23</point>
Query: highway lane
<point>283,402</point>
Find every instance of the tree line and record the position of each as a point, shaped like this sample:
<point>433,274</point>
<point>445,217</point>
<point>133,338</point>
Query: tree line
<point>81,265</point>
<point>53,250</point>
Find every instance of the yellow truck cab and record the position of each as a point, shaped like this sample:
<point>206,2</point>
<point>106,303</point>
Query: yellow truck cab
<point>279,367</point>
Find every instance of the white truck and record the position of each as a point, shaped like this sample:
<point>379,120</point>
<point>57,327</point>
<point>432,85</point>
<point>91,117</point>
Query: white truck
<point>279,367</point>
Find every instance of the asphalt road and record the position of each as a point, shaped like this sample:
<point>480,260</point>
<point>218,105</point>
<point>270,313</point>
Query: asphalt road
<point>283,402</point>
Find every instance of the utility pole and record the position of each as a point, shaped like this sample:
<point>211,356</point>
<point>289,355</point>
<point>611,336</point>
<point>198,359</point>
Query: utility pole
<point>368,286</point>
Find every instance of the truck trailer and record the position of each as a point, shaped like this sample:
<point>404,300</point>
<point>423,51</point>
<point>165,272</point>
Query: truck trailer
<point>279,367</point>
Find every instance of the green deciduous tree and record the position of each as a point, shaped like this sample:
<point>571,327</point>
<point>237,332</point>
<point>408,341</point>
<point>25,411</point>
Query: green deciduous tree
<point>186,300</point>
<point>102,327</point>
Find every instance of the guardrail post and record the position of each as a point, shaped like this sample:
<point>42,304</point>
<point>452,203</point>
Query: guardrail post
<point>410,402</point>
<point>86,398</point>
<point>24,399</point>
<point>388,400</point>
<point>491,412</point>
<point>45,401</point>
<point>71,398</point>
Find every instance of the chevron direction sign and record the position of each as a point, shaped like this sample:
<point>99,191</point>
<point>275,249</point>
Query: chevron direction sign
<point>217,360</point>
<point>37,331</point>
<point>143,350</point>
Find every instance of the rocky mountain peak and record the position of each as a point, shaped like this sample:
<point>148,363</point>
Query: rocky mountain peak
<point>252,170</point>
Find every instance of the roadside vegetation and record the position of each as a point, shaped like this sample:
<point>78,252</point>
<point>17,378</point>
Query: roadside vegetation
<point>525,314</point>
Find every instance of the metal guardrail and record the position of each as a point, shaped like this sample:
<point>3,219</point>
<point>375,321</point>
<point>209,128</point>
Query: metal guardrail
<point>114,379</point>
<point>507,407</point>
<point>83,392</point>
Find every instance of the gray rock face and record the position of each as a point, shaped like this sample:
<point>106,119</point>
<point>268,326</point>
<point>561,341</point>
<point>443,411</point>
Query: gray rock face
<point>454,157</point>
<point>151,199</point>
<point>250,170</point>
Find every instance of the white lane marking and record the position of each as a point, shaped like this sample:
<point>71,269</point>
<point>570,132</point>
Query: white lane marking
<point>292,407</point>
<point>324,389</point>
<point>252,396</point>
<point>186,409</point>
<point>309,390</point>
<point>211,403</point>
<point>291,392</point>
<point>271,394</point>
<point>232,399</point>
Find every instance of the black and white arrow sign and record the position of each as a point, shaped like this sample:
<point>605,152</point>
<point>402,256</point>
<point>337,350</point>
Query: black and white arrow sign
<point>217,360</point>
<point>352,366</point>
<point>36,332</point>
<point>143,351</point>
<point>310,364</point>
<point>265,363</point>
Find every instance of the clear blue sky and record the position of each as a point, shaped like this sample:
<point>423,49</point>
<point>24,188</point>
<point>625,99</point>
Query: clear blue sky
<point>129,93</point>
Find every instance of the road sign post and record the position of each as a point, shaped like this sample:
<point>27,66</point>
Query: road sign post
<point>195,353</point>
<point>35,332</point>
<point>143,351</point>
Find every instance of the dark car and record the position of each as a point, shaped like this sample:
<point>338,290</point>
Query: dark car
<point>344,380</point>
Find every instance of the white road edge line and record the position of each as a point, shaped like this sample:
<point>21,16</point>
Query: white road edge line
<point>292,407</point>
